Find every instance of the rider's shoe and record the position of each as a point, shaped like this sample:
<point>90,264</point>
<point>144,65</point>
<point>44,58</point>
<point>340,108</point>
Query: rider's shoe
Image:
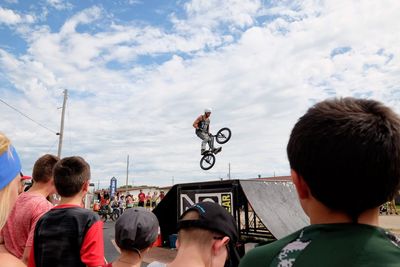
<point>204,151</point>
<point>217,150</point>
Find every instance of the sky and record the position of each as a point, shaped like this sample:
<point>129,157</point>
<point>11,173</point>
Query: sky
<point>139,72</point>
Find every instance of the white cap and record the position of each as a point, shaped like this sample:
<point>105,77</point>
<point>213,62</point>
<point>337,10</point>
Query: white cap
<point>206,110</point>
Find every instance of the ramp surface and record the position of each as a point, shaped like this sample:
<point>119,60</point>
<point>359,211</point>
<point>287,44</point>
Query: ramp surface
<point>276,204</point>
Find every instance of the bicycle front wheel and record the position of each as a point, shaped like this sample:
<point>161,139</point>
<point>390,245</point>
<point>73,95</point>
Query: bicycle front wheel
<point>115,215</point>
<point>223,135</point>
<point>207,161</point>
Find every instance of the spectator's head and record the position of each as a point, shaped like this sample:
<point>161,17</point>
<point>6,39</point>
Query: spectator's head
<point>10,168</point>
<point>136,230</point>
<point>211,228</point>
<point>43,168</point>
<point>71,176</point>
<point>347,151</point>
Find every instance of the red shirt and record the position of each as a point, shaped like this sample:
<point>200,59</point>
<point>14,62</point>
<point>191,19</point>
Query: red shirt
<point>20,226</point>
<point>103,201</point>
<point>141,197</point>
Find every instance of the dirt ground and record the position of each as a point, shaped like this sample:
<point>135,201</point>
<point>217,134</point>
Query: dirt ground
<point>390,222</point>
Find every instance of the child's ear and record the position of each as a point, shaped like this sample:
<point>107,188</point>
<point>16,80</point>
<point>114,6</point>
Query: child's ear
<point>85,187</point>
<point>301,186</point>
<point>219,243</point>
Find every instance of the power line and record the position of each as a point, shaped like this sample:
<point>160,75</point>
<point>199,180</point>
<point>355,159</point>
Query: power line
<point>51,147</point>
<point>26,116</point>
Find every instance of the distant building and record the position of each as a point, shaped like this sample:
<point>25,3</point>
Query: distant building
<point>274,178</point>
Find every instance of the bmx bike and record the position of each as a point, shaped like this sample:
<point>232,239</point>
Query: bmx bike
<point>106,213</point>
<point>208,159</point>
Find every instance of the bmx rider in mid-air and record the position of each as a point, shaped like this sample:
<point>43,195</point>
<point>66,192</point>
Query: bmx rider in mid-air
<point>202,126</point>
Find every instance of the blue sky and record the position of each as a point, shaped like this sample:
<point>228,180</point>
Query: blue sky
<point>139,72</point>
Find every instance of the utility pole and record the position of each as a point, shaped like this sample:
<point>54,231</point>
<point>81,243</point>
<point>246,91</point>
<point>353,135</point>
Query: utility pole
<point>61,133</point>
<point>127,174</point>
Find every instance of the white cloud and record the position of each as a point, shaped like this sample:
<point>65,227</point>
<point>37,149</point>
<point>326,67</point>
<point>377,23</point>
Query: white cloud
<point>59,4</point>
<point>9,17</point>
<point>83,17</point>
<point>29,76</point>
<point>134,2</point>
<point>258,82</point>
<point>213,13</point>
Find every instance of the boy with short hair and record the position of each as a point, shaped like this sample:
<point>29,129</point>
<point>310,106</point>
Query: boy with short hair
<point>29,207</point>
<point>207,236</point>
<point>135,232</point>
<point>344,156</point>
<point>69,235</point>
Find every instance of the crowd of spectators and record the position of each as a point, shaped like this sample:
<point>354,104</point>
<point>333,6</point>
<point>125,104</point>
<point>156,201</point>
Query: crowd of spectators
<point>120,201</point>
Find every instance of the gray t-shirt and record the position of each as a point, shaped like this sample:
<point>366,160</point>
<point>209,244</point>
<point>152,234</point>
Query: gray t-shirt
<point>157,264</point>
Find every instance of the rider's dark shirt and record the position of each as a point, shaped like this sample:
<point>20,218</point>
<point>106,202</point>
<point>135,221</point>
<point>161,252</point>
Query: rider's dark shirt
<point>204,123</point>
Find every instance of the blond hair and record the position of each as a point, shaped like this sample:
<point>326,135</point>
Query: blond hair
<point>6,195</point>
<point>4,143</point>
<point>6,192</point>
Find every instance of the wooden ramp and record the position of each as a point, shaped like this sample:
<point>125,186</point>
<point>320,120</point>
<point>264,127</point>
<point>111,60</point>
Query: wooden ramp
<point>276,204</point>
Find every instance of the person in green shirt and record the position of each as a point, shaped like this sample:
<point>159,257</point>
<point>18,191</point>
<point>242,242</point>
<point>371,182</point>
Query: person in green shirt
<point>344,156</point>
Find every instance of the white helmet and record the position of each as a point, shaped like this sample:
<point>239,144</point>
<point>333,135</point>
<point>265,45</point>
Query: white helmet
<point>206,110</point>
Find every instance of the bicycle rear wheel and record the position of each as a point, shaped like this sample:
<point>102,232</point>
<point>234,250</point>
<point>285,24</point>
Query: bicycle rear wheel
<point>223,135</point>
<point>207,161</point>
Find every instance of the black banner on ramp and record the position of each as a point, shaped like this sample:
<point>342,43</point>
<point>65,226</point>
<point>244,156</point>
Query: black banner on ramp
<point>189,197</point>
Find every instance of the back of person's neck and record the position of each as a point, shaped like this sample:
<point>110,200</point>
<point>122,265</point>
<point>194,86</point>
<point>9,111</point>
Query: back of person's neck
<point>320,214</point>
<point>128,259</point>
<point>43,189</point>
<point>190,256</point>
<point>74,200</point>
